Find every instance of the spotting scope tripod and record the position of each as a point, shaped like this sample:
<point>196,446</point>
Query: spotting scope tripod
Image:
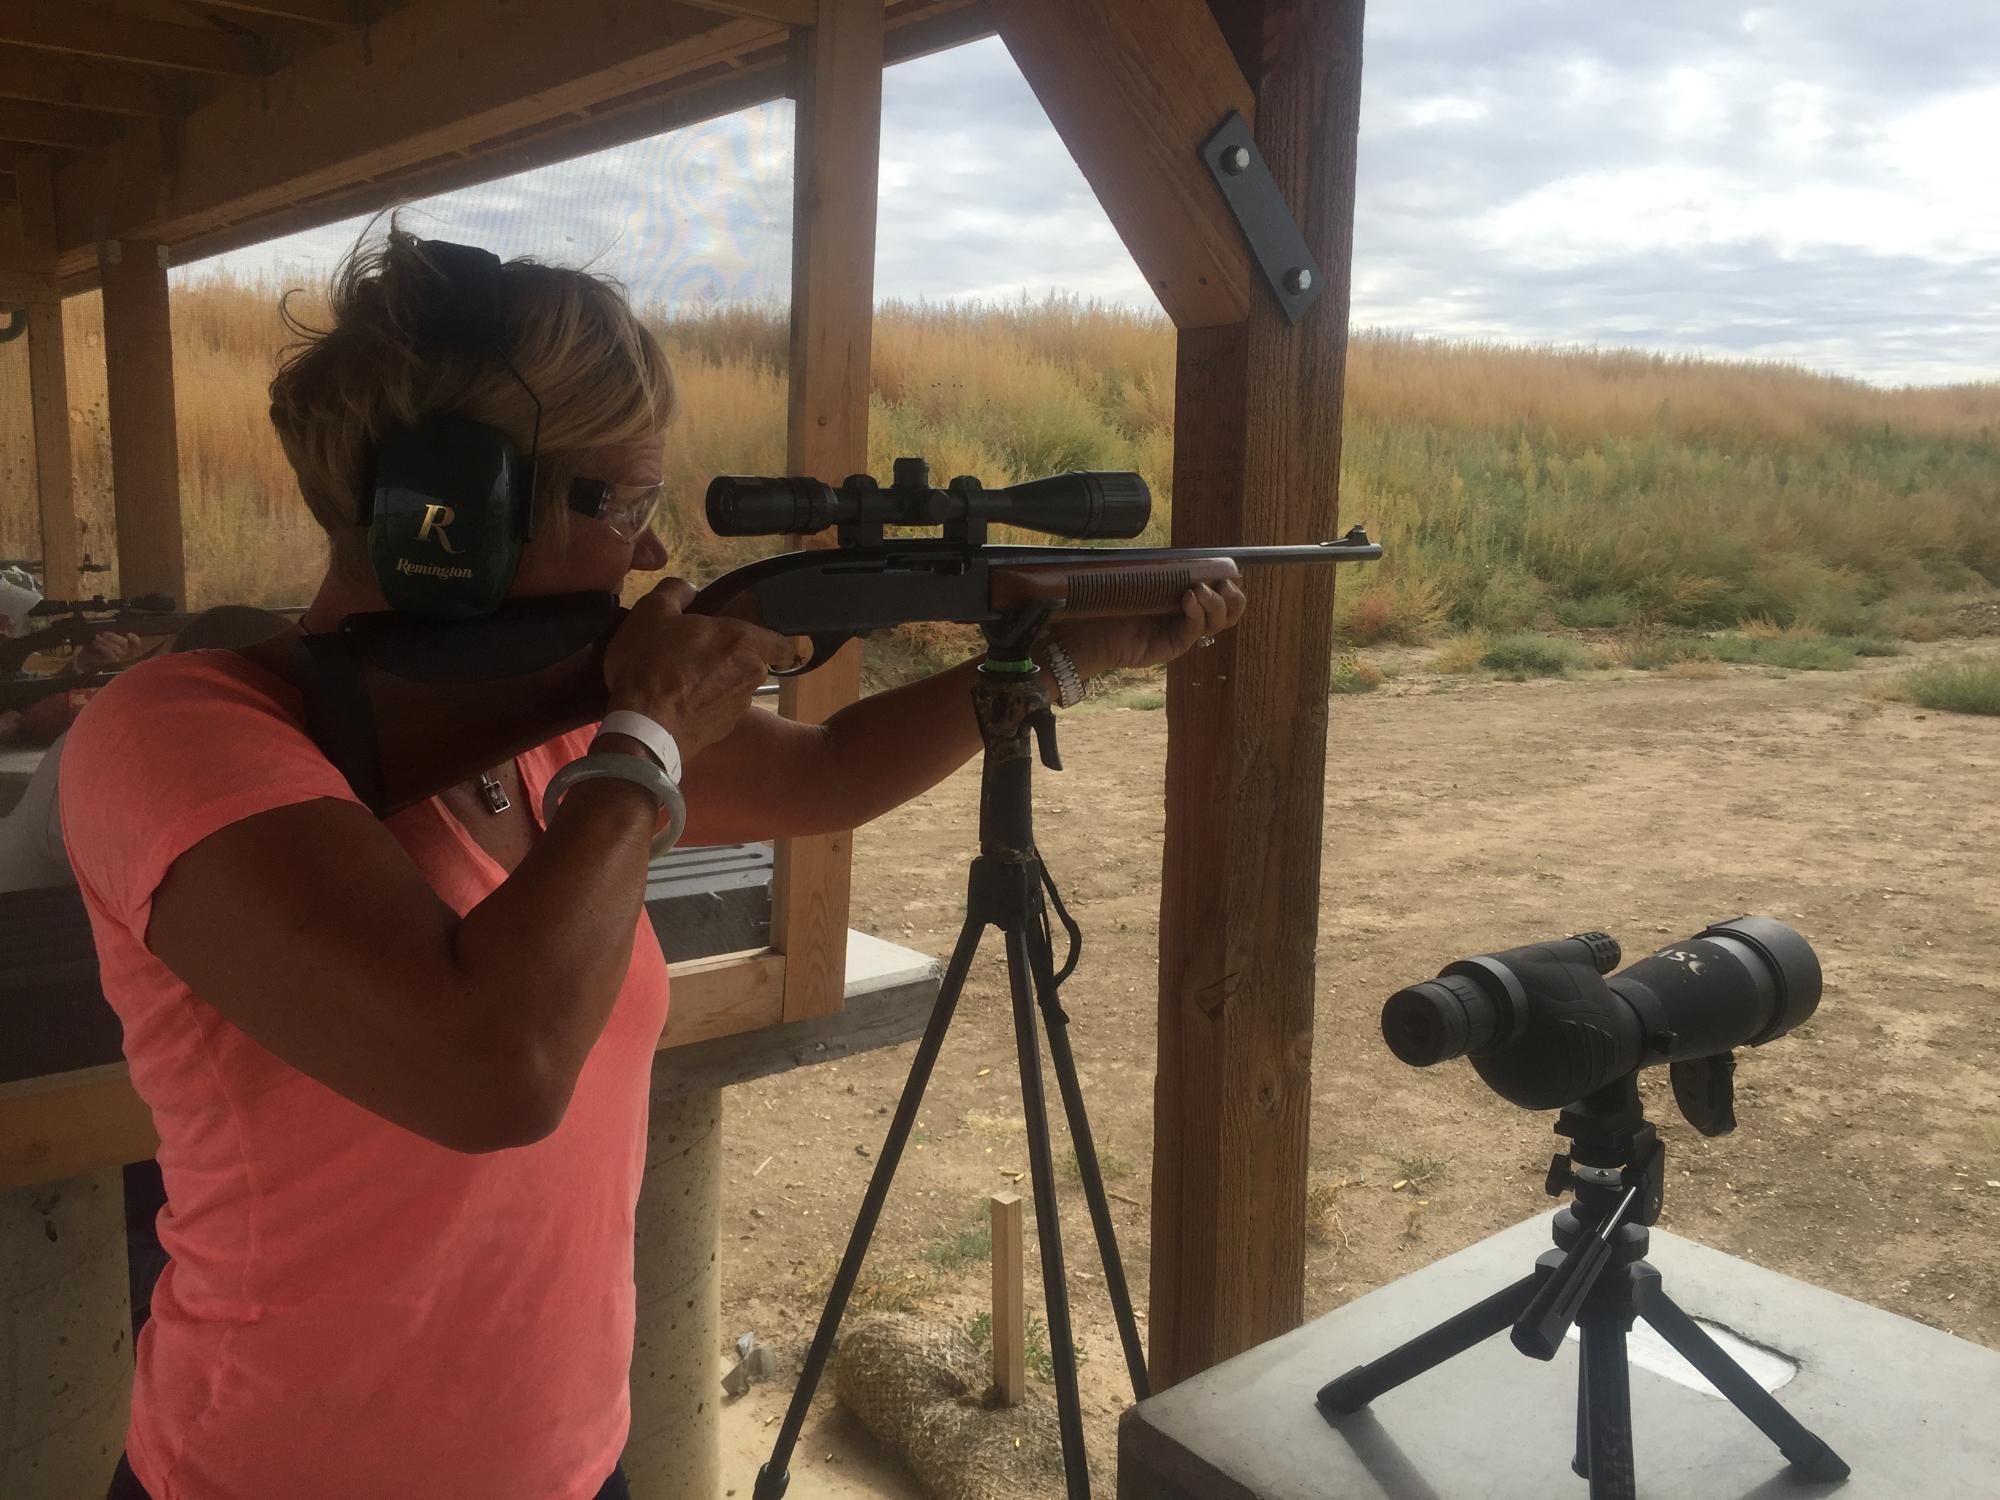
<point>1597,1278</point>
<point>1005,891</point>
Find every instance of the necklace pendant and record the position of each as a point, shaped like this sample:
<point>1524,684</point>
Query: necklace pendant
<point>497,800</point>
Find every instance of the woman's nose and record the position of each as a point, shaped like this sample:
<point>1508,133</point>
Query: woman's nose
<point>649,554</point>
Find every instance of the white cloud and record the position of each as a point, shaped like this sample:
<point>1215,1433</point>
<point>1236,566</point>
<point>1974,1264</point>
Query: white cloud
<point>1814,183</point>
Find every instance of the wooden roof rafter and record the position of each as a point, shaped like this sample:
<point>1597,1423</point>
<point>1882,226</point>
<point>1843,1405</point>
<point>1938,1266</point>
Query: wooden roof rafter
<point>656,68</point>
<point>95,31</point>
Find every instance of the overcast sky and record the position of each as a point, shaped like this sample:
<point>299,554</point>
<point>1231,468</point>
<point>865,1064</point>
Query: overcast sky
<point>1816,181</point>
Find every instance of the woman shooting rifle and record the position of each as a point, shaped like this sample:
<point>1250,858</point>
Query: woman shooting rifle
<point>400,1068</point>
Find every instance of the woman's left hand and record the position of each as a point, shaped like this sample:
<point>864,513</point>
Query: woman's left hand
<point>1147,641</point>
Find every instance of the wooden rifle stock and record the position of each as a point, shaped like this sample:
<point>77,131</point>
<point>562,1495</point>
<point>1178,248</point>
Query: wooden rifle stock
<point>405,707</point>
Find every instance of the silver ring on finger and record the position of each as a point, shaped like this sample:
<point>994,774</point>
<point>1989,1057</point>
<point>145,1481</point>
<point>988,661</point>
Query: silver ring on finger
<point>1207,640</point>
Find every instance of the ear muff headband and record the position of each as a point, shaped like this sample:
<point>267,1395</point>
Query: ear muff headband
<point>451,500</point>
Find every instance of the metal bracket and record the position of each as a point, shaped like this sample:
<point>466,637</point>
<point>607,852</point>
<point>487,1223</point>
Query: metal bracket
<point>1264,216</point>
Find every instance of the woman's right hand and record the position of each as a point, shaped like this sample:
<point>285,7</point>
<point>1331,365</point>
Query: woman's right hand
<point>694,675</point>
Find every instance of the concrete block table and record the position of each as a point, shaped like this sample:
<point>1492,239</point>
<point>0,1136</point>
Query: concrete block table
<point>1915,1412</point>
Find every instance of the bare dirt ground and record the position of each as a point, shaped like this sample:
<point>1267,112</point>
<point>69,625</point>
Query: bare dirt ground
<point>1461,817</point>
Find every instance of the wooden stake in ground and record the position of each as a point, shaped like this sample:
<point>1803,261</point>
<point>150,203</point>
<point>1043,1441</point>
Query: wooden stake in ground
<point>1010,1351</point>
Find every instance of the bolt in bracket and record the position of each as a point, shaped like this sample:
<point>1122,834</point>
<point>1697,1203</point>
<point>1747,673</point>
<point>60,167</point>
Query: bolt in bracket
<point>1263,216</point>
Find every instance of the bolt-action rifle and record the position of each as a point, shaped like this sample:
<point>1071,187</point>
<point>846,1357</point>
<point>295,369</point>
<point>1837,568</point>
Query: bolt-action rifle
<point>404,707</point>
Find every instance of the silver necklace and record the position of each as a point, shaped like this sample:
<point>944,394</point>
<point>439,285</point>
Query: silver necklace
<point>495,794</point>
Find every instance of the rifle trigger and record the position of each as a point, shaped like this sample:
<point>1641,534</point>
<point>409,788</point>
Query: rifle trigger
<point>1045,737</point>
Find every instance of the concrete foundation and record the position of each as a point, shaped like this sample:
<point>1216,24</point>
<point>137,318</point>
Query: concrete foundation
<point>674,1451</point>
<point>65,1337</point>
<point>1911,1409</point>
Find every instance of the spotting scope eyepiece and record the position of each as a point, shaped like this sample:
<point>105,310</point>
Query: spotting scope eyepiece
<point>1092,504</point>
<point>1547,1024</point>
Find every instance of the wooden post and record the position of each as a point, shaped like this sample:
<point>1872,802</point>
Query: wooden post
<point>139,396</point>
<point>839,132</point>
<point>48,381</point>
<point>1010,1330</point>
<point>1256,459</point>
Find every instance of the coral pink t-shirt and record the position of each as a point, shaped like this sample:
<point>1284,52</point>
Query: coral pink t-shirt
<point>351,1311</point>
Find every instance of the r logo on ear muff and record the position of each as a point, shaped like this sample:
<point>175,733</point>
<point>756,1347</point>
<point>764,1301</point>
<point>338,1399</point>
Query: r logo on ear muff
<point>436,518</point>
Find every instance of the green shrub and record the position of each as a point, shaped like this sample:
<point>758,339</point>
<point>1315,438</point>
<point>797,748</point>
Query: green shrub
<point>1959,687</point>
<point>1612,611</point>
<point>1524,656</point>
<point>1872,645</point>
<point>1353,675</point>
<point>1798,653</point>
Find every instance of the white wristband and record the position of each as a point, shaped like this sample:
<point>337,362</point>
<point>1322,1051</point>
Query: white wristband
<point>648,733</point>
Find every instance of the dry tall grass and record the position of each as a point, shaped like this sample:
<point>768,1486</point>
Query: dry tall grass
<point>1513,486</point>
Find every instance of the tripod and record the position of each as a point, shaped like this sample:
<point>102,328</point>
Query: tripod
<point>1004,891</point>
<point>1598,1278</point>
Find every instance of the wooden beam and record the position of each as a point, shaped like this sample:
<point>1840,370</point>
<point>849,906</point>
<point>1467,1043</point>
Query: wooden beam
<point>1134,87</point>
<point>139,401</point>
<point>79,83</point>
<point>1256,459</point>
<point>48,385</point>
<point>332,13</point>
<point>98,31</point>
<point>784,12</point>
<point>55,1127</point>
<point>834,170</point>
<point>439,78</point>
<point>48,125</point>
<point>21,287</point>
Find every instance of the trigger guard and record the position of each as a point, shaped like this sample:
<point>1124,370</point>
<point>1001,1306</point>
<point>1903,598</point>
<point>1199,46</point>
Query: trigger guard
<point>824,646</point>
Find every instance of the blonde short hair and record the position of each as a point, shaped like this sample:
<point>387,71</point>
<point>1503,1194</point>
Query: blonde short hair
<point>598,371</point>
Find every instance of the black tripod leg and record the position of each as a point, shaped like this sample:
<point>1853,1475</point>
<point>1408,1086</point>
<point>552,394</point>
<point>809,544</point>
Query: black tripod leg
<point>1048,1227</point>
<point>1057,1025</point>
<point>1579,1463</point>
<point>1807,1453</point>
<point>774,1478</point>
<point>1454,1335</point>
<point>1609,1417</point>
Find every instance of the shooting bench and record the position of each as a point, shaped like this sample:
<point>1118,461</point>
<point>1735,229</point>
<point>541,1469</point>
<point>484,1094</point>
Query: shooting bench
<point>1910,1407</point>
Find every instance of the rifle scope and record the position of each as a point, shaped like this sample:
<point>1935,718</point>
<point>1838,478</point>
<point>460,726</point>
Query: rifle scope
<point>1544,1027</point>
<point>1101,503</point>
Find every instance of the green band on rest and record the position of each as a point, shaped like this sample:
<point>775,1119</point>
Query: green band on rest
<point>1023,667</point>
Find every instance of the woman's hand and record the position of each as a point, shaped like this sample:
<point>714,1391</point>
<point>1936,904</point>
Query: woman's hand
<point>694,675</point>
<point>106,649</point>
<point>1147,641</point>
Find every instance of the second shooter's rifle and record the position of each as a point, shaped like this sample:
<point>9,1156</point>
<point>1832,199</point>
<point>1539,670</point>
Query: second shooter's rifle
<point>60,623</point>
<point>405,707</point>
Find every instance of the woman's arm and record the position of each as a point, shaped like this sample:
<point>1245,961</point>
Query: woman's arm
<point>309,929</point>
<point>775,778</point>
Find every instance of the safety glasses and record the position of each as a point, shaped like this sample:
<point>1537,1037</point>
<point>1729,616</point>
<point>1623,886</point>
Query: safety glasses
<point>627,509</point>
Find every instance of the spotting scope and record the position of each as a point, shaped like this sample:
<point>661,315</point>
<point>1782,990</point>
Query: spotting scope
<point>1548,1024</point>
